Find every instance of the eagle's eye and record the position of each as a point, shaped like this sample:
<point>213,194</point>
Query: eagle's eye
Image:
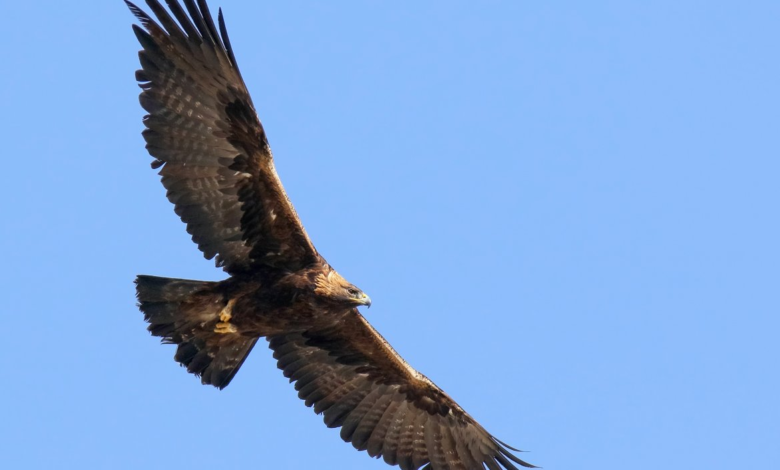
<point>352,291</point>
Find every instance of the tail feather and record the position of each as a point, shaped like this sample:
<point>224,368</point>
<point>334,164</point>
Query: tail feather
<point>164,289</point>
<point>185,313</point>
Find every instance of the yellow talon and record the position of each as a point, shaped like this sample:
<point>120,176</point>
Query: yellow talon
<point>227,313</point>
<point>224,315</point>
<point>224,326</point>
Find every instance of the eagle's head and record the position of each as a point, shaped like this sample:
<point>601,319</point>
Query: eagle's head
<point>330,286</point>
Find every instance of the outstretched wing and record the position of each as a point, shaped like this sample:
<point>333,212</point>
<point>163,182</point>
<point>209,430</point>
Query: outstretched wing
<point>351,374</point>
<point>203,131</point>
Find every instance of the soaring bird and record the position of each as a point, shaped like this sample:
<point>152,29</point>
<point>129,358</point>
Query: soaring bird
<point>215,162</point>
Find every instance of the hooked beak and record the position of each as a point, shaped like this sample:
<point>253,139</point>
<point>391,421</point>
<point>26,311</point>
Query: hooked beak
<point>364,300</point>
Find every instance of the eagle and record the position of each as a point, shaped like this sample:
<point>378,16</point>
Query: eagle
<point>217,167</point>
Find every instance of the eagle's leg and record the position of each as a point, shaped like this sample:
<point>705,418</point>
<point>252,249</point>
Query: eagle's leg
<point>224,326</point>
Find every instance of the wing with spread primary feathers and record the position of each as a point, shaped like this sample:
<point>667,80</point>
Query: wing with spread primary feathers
<point>203,131</point>
<point>348,372</point>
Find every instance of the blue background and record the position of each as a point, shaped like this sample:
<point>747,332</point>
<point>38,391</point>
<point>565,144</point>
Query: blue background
<point>566,215</point>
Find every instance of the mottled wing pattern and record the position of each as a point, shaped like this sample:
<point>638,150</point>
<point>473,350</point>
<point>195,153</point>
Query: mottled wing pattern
<point>348,372</point>
<point>203,131</point>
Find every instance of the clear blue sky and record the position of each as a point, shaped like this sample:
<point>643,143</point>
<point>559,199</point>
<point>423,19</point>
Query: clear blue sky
<point>566,214</point>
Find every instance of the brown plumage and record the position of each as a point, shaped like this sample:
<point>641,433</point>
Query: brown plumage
<point>217,166</point>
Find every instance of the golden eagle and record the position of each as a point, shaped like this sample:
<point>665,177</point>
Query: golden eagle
<point>218,170</point>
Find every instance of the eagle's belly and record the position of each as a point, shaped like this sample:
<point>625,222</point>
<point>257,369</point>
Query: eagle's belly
<point>271,312</point>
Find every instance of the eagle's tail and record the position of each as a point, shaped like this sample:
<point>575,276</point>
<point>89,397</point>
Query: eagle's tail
<point>186,313</point>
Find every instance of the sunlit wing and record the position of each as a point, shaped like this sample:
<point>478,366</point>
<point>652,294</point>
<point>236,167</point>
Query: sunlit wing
<point>211,149</point>
<point>348,372</point>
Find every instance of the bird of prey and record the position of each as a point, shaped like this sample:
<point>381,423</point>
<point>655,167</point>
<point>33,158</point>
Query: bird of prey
<point>216,164</point>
